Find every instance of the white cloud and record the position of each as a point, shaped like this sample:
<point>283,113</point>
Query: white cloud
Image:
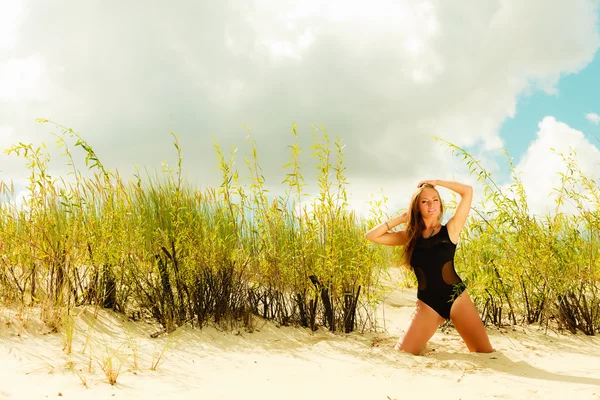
<point>539,168</point>
<point>5,135</point>
<point>384,76</point>
<point>20,78</point>
<point>11,13</point>
<point>593,118</point>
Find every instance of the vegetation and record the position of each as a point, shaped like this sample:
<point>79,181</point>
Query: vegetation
<point>527,268</point>
<point>156,246</point>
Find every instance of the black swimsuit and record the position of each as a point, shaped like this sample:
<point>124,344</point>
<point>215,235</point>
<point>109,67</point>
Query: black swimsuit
<point>433,263</point>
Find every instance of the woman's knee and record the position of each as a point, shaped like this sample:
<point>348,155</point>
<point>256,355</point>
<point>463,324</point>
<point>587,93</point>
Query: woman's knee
<point>414,350</point>
<point>484,347</point>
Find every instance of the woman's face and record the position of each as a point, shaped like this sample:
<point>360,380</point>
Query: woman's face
<point>429,204</point>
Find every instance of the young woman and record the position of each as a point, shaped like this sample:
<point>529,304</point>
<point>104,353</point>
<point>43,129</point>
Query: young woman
<point>429,250</point>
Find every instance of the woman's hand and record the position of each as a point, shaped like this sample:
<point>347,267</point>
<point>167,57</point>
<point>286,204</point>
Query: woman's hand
<point>383,233</point>
<point>398,220</point>
<point>431,182</point>
<point>403,218</point>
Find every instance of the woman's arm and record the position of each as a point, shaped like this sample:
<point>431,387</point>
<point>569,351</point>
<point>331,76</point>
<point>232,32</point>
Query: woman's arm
<point>380,234</point>
<point>456,223</point>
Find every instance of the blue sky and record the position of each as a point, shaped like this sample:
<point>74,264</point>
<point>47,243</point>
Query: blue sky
<point>576,95</point>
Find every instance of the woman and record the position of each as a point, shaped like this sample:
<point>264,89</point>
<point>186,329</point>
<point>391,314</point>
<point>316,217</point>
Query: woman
<point>429,250</point>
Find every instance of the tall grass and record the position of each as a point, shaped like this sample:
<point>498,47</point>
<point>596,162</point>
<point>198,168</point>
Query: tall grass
<point>531,268</point>
<point>155,245</point>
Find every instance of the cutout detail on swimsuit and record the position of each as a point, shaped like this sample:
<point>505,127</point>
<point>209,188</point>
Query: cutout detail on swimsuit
<point>449,275</point>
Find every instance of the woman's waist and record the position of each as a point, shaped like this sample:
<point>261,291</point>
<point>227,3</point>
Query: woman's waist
<point>441,289</point>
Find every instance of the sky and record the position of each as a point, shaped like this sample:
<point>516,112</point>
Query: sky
<point>386,77</point>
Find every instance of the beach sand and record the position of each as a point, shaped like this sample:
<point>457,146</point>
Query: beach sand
<point>287,362</point>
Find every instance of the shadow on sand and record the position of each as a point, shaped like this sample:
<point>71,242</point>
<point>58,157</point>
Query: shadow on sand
<point>499,362</point>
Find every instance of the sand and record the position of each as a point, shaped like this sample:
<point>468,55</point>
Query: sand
<point>287,362</point>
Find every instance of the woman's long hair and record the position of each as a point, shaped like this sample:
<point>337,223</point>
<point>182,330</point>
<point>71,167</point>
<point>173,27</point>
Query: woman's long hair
<point>415,224</point>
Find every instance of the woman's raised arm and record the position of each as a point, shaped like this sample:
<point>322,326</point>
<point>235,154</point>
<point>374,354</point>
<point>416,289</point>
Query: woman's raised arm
<point>457,221</point>
<point>381,233</point>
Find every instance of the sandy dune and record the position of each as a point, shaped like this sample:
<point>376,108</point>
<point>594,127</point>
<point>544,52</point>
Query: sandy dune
<point>284,362</point>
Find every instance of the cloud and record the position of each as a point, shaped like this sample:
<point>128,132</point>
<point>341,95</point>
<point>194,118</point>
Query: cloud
<point>19,79</point>
<point>385,78</point>
<point>543,161</point>
<point>593,118</point>
<point>11,14</point>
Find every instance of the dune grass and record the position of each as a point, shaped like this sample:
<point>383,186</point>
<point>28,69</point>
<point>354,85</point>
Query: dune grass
<point>154,246</point>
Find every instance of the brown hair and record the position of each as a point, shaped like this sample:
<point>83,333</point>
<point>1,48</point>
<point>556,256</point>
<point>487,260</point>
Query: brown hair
<point>415,224</point>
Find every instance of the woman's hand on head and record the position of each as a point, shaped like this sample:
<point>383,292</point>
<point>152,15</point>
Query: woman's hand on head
<point>431,182</point>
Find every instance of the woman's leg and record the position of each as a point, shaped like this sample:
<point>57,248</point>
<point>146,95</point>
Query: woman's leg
<point>421,328</point>
<point>465,319</point>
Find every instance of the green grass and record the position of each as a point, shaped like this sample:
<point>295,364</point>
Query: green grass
<point>157,246</point>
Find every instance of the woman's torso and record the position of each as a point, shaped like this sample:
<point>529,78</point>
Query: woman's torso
<point>433,261</point>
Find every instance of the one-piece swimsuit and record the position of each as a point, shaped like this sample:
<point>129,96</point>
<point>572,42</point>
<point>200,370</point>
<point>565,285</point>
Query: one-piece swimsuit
<point>433,263</point>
